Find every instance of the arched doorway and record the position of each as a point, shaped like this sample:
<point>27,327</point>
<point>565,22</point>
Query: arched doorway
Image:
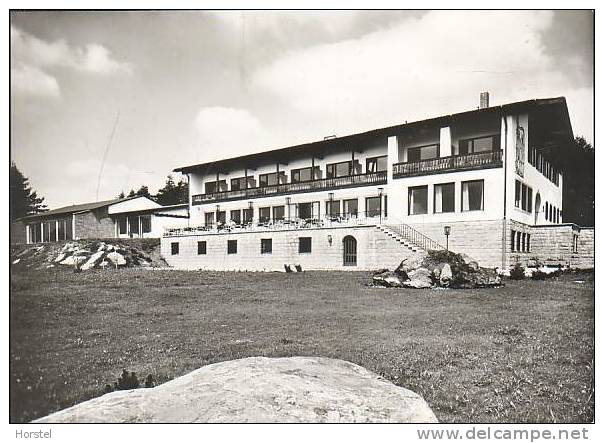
<point>350,251</point>
<point>537,207</point>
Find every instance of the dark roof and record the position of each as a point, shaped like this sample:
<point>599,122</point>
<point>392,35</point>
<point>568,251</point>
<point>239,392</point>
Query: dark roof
<point>84,207</point>
<point>319,146</point>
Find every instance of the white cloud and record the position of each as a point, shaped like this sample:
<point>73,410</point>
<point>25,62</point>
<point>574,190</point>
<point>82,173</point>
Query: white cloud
<point>28,80</point>
<point>418,68</point>
<point>224,132</point>
<point>92,58</point>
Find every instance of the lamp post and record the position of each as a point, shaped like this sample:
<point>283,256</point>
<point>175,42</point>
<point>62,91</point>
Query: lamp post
<point>447,233</point>
<point>380,193</point>
<point>330,215</point>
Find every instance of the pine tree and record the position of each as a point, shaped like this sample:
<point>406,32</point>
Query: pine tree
<point>122,195</point>
<point>23,200</point>
<point>131,193</point>
<point>143,191</point>
<point>173,193</point>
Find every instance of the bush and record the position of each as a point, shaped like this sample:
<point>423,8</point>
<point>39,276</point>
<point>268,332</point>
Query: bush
<point>517,273</point>
<point>539,275</point>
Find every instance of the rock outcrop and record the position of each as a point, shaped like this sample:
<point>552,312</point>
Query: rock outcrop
<point>259,389</point>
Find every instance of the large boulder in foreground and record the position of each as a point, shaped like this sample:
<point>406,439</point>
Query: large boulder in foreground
<point>259,389</point>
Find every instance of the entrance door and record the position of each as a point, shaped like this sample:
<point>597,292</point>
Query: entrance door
<point>350,251</point>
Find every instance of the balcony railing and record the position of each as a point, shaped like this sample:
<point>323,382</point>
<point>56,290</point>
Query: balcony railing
<point>479,160</point>
<point>371,178</point>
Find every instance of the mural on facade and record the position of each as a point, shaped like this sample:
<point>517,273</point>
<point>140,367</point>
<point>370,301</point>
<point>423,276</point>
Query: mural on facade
<point>520,148</point>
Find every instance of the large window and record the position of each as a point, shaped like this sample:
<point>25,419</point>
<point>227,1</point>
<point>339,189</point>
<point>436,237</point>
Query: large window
<point>343,169</point>
<point>423,153</point>
<point>523,197</point>
<point>122,225</point>
<point>237,184</point>
<point>236,216</point>
<point>351,207</point>
<point>377,164</point>
<point>231,246</point>
<point>133,223</point>
<point>271,179</point>
<point>304,245</point>
<point>373,206</point>
<point>418,200</point>
<point>145,223</point>
<point>248,215</point>
<point>35,234</point>
<point>278,212</point>
<point>266,245</point>
<point>332,208</point>
<point>216,186</point>
<point>444,197</point>
<point>472,195</point>
<point>479,144</point>
<point>305,174</point>
<point>265,214</point>
<point>209,219</point>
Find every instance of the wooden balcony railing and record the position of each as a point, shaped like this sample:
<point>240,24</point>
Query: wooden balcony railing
<point>479,160</point>
<point>371,178</point>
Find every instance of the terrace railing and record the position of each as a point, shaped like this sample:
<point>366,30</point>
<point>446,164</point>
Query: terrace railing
<point>479,160</point>
<point>370,178</point>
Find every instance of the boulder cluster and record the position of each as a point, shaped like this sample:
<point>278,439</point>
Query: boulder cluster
<point>437,269</point>
<point>101,255</point>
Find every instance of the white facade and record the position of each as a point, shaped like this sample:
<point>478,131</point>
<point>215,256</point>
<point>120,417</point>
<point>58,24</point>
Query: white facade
<point>144,218</point>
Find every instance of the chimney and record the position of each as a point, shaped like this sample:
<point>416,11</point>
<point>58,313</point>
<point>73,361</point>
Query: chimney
<point>484,100</point>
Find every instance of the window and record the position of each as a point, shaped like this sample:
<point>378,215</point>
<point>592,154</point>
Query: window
<point>343,169</point>
<point>266,245</point>
<point>373,206</point>
<point>546,211</point>
<point>479,144</point>
<point>133,222</point>
<point>308,211</point>
<point>265,214</point>
<point>237,184</point>
<point>557,215</point>
<point>278,212</point>
<point>236,216</point>
<point>174,248</point>
<point>248,215</point>
<point>61,234</point>
<point>216,186</point>
<point>377,164</point>
<point>523,242</point>
<point>271,179</point>
<point>122,225</point>
<point>351,207</point>
<point>202,248</point>
<point>423,153</point>
<point>231,246</point>
<point>305,174</point>
<point>221,217</point>
<point>332,208</point>
<point>513,244</point>
<point>528,242</point>
<point>209,219</point>
<point>518,239</point>
<point>472,195</point>
<point>145,224</point>
<point>304,245</point>
<point>418,200</point>
<point>551,213</point>
<point>575,243</point>
<point>35,236</point>
<point>523,197</point>
<point>444,198</point>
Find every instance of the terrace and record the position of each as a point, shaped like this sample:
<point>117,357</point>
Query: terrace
<point>453,163</point>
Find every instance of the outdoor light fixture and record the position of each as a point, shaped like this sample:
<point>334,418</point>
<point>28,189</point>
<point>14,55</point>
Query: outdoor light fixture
<point>447,233</point>
<point>329,239</point>
<point>330,196</point>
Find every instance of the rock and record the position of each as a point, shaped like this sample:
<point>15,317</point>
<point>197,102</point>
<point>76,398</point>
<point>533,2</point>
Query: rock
<point>16,261</point>
<point>473,265</point>
<point>74,260</point>
<point>101,247</point>
<point>259,390</point>
<point>93,260</point>
<point>416,284</point>
<point>116,258</point>
<point>412,263</point>
<point>60,257</point>
<point>446,275</point>
<point>419,279</point>
<point>388,279</point>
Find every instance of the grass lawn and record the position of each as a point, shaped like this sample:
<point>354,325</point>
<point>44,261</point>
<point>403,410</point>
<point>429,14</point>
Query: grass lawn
<point>522,353</point>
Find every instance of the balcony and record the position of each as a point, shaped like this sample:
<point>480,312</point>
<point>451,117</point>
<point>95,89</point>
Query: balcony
<point>371,178</point>
<point>454,163</point>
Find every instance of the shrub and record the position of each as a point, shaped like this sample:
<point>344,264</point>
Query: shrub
<point>517,273</point>
<point>539,275</point>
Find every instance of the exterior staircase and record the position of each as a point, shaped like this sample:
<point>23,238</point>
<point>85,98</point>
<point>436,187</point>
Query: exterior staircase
<point>409,237</point>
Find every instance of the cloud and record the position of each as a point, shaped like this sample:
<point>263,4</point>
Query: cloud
<point>224,132</point>
<point>28,80</point>
<point>92,58</point>
<point>421,67</point>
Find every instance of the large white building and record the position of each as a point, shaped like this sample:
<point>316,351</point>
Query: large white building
<point>368,200</point>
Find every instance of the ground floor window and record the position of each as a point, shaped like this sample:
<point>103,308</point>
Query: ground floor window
<point>575,243</point>
<point>145,223</point>
<point>232,246</point>
<point>122,226</point>
<point>444,197</point>
<point>202,247</point>
<point>304,245</point>
<point>418,200</point>
<point>472,195</point>
<point>350,251</point>
<point>35,233</point>
<point>266,246</point>
<point>174,248</point>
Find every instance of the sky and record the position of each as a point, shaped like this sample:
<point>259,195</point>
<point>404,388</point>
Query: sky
<point>103,102</point>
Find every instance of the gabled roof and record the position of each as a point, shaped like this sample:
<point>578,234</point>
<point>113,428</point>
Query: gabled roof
<point>318,146</point>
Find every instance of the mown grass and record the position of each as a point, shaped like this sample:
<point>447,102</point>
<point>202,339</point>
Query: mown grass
<point>521,353</point>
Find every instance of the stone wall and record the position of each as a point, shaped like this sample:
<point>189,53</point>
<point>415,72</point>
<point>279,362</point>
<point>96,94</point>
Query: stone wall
<point>94,224</point>
<point>481,240</point>
<point>17,232</point>
<point>374,250</point>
